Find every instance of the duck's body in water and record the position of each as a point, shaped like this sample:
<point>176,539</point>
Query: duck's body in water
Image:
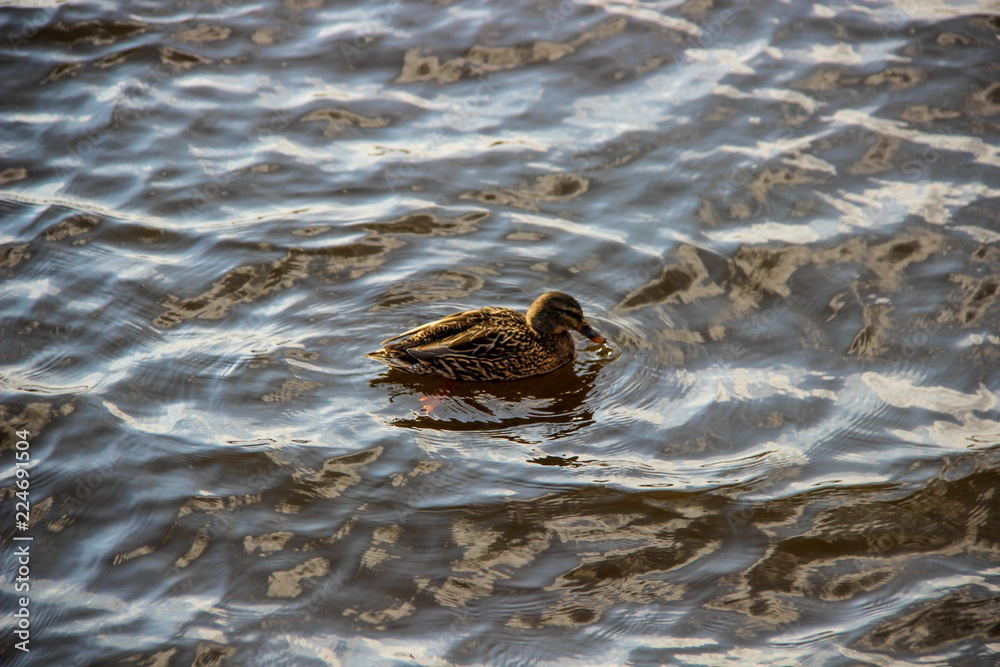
<point>492,343</point>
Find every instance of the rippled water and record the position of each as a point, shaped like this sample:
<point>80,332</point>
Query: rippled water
<point>784,217</point>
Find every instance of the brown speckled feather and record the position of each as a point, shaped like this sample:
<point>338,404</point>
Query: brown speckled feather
<point>484,344</point>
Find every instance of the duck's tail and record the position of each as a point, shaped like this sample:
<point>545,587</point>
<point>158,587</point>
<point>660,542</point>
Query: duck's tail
<point>399,360</point>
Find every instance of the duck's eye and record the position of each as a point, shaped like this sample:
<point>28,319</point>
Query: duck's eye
<point>572,314</point>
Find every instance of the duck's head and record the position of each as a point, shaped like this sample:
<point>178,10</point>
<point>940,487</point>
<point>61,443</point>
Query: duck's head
<point>556,312</point>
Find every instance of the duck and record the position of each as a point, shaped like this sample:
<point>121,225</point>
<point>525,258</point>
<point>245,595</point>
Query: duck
<point>492,343</point>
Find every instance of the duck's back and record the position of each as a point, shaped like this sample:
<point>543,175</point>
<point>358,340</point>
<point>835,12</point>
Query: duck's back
<point>489,343</point>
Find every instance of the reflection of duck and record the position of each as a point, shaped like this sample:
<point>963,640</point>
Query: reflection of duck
<point>492,343</point>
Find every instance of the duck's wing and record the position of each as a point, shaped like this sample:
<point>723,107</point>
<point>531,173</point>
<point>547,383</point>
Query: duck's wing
<point>476,342</point>
<point>454,325</point>
<point>470,334</point>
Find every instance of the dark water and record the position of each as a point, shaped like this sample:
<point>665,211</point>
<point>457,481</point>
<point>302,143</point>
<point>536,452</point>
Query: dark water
<point>784,216</point>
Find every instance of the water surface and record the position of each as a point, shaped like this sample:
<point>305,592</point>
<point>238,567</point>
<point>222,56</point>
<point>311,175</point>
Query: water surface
<point>784,217</point>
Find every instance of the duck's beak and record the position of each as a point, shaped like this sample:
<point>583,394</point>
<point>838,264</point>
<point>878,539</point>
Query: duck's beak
<point>587,331</point>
